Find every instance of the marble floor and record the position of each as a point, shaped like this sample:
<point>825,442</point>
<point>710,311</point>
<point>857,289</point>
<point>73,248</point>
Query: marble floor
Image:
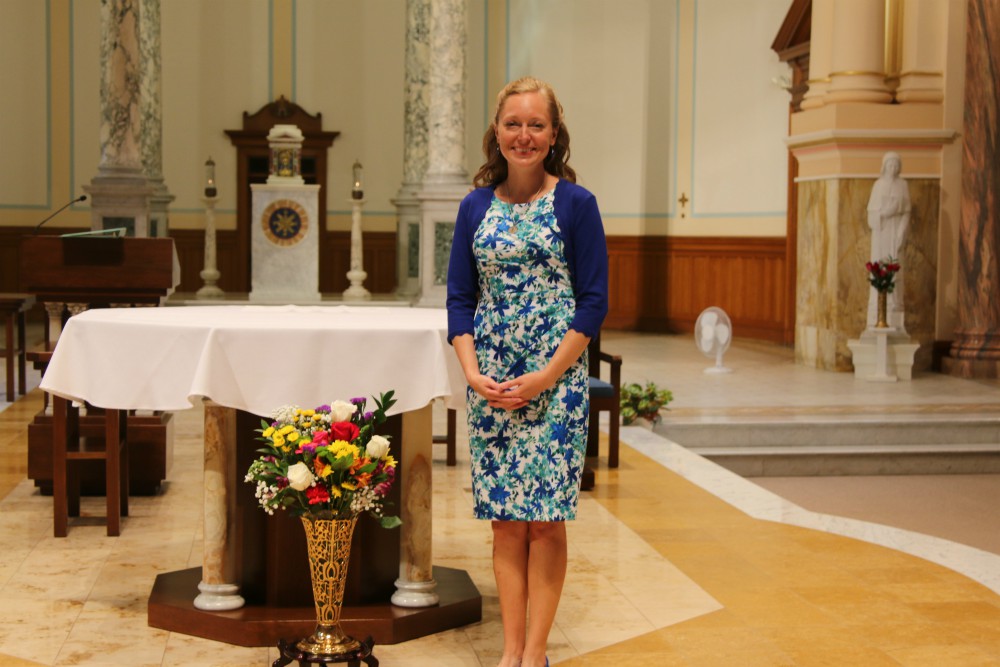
<point>673,561</point>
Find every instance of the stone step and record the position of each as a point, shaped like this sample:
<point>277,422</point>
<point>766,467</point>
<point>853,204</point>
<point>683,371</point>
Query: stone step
<point>836,432</point>
<point>846,445</point>
<point>875,460</point>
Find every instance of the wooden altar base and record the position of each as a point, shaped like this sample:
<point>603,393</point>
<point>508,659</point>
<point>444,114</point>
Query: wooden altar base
<point>171,608</point>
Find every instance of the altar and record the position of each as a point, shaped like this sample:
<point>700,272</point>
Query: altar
<point>248,360</point>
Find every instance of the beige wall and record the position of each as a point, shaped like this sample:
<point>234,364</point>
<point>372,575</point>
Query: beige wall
<point>663,97</point>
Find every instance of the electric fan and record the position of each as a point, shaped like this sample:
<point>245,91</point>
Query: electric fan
<point>712,334</point>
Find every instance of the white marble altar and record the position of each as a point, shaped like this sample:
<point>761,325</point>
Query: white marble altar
<point>284,241</point>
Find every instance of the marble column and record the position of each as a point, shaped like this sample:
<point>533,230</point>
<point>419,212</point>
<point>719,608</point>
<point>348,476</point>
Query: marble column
<point>921,77</point>
<point>416,586</point>
<point>219,591</point>
<point>446,181</point>
<point>151,112</point>
<point>415,157</point>
<point>120,192</point>
<point>820,46</point>
<point>857,57</point>
<point>975,351</point>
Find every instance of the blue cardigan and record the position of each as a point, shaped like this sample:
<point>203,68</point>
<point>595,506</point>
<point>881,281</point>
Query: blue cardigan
<point>583,241</point>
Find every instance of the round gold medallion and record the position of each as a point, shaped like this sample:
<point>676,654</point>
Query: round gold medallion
<point>285,222</point>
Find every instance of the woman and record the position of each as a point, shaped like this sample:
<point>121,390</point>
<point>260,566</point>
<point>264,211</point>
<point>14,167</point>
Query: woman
<point>527,290</point>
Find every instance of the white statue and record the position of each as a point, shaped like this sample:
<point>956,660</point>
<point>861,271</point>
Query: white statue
<point>889,218</point>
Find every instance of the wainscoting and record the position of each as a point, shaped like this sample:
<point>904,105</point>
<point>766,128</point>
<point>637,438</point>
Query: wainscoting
<point>663,283</point>
<point>334,261</point>
<point>656,283</point>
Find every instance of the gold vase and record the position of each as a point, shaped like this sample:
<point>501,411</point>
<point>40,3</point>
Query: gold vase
<point>882,306</point>
<point>329,544</point>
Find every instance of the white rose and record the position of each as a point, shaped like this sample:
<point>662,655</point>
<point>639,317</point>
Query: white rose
<point>341,411</point>
<point>377,447</point>
<point>300,477</point>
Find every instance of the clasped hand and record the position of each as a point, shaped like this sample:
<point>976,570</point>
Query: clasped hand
<point>511,394</point>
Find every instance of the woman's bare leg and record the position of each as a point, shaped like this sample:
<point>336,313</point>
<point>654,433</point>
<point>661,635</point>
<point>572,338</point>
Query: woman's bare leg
<point>510,567</point>
<point>546,574</point>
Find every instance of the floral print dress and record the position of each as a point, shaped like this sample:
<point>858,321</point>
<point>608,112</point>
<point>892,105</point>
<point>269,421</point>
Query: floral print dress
<point>526,463</point>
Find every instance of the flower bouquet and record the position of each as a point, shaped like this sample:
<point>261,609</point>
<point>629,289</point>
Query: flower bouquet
<point>326,462</point>
<point>882,274</point>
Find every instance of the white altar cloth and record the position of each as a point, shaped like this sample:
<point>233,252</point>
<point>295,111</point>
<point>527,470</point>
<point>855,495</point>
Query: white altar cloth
<point>254,358</point>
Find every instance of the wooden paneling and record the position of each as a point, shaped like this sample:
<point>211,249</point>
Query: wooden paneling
<point>656,283</point>
<point>334,262</point>
<point>662,284</point>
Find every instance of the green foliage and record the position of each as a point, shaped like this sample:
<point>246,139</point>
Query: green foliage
<point>639,401</point>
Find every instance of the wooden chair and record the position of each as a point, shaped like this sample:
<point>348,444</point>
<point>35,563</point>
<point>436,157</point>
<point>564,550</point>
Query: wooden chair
<point>13,308</point>
<point>70,447</point>
<point>604,396</point>
<point>449,438</point>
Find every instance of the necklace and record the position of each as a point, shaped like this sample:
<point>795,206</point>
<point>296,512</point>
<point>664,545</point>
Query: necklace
<point>512,216</point>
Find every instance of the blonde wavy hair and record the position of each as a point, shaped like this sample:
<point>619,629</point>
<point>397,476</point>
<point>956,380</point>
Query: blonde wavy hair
<point>494,170</point>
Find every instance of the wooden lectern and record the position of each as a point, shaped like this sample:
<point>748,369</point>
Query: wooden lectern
<point>70,274</point>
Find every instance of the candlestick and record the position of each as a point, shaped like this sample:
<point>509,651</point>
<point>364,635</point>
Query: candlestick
<point>210,274</point>
<point>210,190</point>
<point>356,191</point>
<point>357,274</point>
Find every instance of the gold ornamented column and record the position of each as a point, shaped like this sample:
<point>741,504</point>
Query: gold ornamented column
<point>820,47</point>
<point>838,143</point>
<point>921,76</point>
<point>857,58</point>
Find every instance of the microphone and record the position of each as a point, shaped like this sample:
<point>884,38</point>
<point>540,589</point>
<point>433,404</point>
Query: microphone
<point>58,211</point>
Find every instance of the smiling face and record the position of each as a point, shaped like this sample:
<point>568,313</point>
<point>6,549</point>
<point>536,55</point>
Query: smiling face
<point>524,131</point>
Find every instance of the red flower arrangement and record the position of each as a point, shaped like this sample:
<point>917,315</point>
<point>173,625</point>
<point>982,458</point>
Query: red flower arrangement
<point>882,274</point>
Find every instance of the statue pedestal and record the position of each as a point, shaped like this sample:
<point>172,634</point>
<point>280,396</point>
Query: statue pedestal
<point>285,243</point>
<point>883,355</point>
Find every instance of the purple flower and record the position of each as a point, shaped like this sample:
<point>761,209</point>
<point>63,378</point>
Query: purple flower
<point>323,408</point>
<point>369,415</point>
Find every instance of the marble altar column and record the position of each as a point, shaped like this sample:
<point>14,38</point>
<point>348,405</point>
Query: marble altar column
<point>921,76</point>
<point>975,351</point>
<point>415,112</point>
<point>820,47</point>
<point>445,182</point>
<point>219,592</point>
<point>120,192</point>
<point>416,586</point>
<point>857,57</point>
<point>151,111</point>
